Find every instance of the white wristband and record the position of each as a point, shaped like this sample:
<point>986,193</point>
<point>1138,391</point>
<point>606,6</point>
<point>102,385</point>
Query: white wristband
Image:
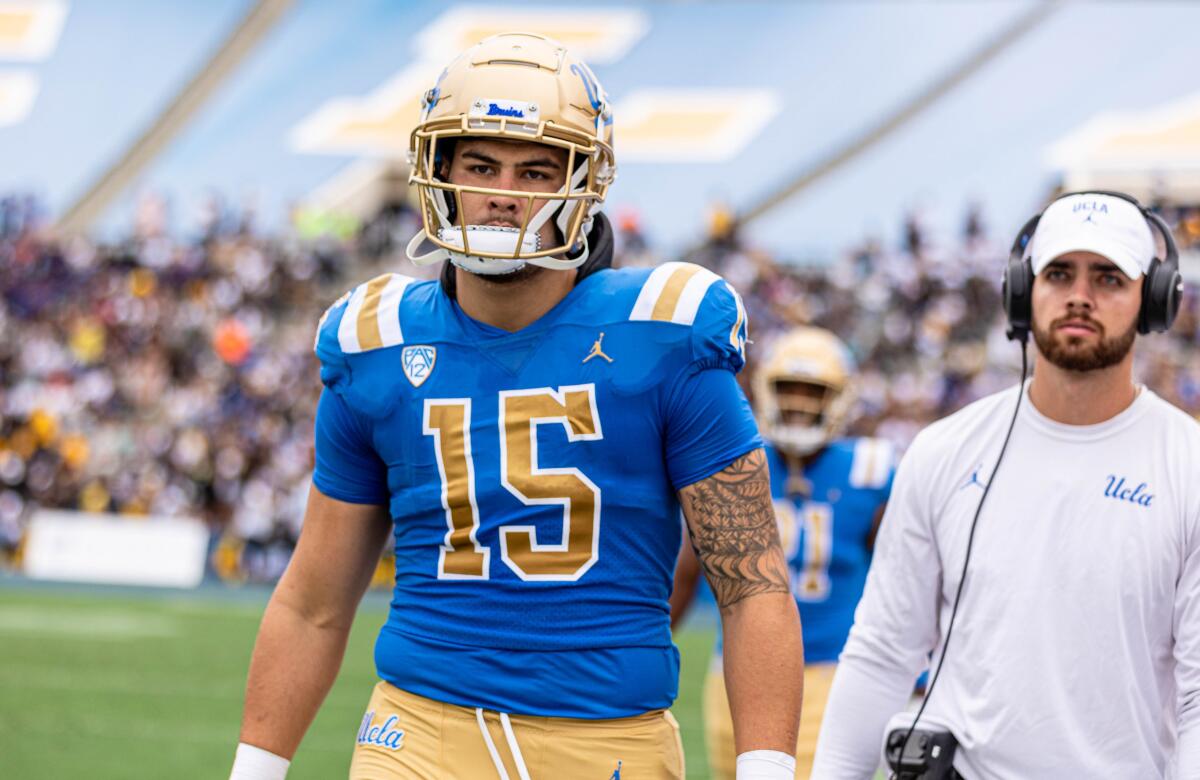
<point>254,763</point>
<point>766,765</point>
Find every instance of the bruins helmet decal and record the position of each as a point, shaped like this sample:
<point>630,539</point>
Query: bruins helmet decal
<point>522,87</point>
<point>803,390</point>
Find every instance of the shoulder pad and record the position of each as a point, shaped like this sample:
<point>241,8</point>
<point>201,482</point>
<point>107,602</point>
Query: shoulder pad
<point>364,319</point>
<point>872,464</point>
<point>672,293</point>
<point>686,294</point>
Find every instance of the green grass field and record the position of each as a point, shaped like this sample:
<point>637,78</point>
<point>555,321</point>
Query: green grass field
<point>124,685</point>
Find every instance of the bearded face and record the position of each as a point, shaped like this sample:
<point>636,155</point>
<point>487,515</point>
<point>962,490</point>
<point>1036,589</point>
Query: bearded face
<point>1064,347</point>
<point>1085,312</point>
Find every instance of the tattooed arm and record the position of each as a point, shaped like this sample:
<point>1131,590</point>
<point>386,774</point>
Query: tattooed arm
<point>732,524</point>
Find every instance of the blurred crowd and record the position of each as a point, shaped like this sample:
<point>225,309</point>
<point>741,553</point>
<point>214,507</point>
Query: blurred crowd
<point>923,318</point>
<point>164,376</point>
<point>1186,221</point>
<point>157,376</point>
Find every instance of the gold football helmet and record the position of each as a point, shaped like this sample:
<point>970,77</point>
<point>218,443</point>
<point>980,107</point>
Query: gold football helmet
<point>523,87</point>
<point>802,390</point>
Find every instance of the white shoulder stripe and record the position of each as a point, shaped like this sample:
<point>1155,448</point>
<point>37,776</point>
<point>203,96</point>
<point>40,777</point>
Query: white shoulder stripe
<point>652,289</point>
<point>693,294</point>
<point>372,318</point>
<point>348,327</point>
<point>390,332</point>
<point>673,293</point>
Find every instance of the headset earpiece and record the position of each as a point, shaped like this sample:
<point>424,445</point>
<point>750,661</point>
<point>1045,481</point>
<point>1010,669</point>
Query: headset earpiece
<point>1016,290</point>
<point>1162,284</point>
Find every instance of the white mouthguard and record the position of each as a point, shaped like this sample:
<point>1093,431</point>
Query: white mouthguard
<point>490,238</point>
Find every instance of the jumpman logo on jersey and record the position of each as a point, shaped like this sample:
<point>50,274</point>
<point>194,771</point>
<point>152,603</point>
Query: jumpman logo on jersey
<point>616,775</point>
<point>597,350</point>
<point>974,480</point>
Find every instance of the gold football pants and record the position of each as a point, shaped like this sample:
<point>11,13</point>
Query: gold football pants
<point>403,735</point>
<point>718,723</point>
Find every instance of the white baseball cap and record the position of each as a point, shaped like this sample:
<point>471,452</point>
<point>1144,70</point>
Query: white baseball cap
<point>1089,222</point>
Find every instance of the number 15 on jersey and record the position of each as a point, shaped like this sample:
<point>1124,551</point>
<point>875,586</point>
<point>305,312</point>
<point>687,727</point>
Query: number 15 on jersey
<point>448,421</point>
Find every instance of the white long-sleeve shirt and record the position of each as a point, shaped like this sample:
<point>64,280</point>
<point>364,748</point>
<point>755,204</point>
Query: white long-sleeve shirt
<point>1076,650</point>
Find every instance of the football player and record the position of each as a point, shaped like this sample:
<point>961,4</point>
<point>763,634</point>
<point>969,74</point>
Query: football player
<point>526,429</point>
<point>829,494</point>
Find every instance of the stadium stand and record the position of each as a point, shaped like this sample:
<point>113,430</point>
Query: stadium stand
<point>162,377</point>
<point>158,376</point>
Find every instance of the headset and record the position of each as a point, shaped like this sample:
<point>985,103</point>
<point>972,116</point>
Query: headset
<point>1162,284</point>
<point>1162,291</point>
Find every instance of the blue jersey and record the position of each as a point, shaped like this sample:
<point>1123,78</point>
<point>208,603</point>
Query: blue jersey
<point>825,519</point>
<point>531,477</point>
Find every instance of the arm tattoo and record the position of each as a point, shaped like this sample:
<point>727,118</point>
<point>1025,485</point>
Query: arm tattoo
<point>732,521</point>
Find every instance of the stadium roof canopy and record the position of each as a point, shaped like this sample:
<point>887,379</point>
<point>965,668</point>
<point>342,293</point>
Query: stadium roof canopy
<point>1153,153</point>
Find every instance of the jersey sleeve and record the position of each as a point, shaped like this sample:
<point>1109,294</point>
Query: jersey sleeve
<point>347,465</point>
<point>363,320</point>
<point>709,425</point>
<point>687,294</point>
<point>348,468</point>
<point>720,331</point>
<point>707,419</point>
<point>335,368</point>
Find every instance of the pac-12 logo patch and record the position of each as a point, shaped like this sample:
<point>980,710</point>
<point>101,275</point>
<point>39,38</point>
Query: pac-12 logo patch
<point>418,363</point>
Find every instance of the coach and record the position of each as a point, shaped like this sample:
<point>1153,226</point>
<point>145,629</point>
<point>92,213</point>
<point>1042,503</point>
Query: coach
<point>1076,632</point>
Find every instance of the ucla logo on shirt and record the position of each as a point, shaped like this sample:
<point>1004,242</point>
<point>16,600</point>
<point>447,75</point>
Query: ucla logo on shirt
<point>385,735</point>
<point>1135,494</point>
<point>418,363</point>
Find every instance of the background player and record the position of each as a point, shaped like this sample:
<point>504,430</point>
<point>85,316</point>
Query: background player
<point>531,490</point>
<point>829,494</point>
